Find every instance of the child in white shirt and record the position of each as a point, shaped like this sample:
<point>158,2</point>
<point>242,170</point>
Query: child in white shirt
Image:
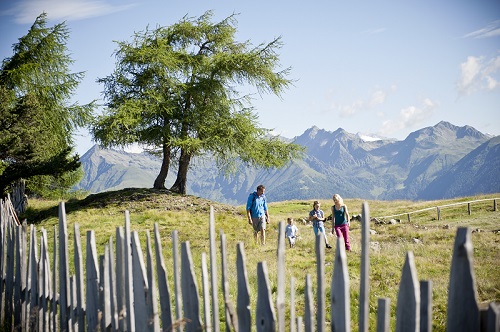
<point>291,232</point>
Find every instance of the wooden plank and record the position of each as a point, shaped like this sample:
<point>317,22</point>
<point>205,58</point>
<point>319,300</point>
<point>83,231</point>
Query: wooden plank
<point>129,292</point>
<point>243,300</point>
<point>281,282</point>
<point>3,255</point>
<point>308,305</point>
<point>112,289</point>
<point>140,285</point>
<point>230,312</point>
<point>292,305</point>
<point>163,287</point>
<point>190,294</point>
<point>364,282</point>
<point>120,279</point>
<point>79,278</point>
<point>53,315</point>
<point>46,275</point>
<point>177,279</point>
<point>105,287</point>
<point>20,280</point>
<point>32,283</point>
<point>425,306</point>
<point>320,281</point>
<point>73,303</point>
<point>408,305</point>
<point>384,315</point>
<point>213,272</point>
<point>265,316</point>
<point>63,269</point>
<point>152,295</point>
<point>9,277</point>
<point>340,299</point>
<point>92,299</point>
<point>300,324</point>
<point>463,311</point>
<point>206,292</point>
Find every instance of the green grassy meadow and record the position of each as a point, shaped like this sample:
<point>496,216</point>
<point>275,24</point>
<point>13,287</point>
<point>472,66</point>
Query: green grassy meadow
<point>189,216</point>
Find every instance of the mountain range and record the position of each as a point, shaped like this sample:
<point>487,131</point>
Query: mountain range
<point>443,161</point>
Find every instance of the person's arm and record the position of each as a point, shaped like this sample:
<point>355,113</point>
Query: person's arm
<point>311,216</point>
<point>267,217</point>
<point>333,221</point>
<point>249,208</point>
<point>347,216</point>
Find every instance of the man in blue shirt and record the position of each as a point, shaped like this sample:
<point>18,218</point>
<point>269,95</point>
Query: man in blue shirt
<point>257,213</point>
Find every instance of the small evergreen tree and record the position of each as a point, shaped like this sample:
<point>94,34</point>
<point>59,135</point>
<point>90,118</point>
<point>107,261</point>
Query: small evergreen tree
<point>174,90</point>
<point>36,118</point>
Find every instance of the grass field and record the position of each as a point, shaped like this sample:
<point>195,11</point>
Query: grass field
<point>189,215</point>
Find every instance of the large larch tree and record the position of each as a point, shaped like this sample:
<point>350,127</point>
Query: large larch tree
<point>175,92</point>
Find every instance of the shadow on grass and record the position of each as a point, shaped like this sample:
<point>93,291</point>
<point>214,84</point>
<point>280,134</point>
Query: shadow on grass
<point>132,199</point>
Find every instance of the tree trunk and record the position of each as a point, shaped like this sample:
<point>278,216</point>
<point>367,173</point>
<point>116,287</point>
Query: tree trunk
<point>180,183</point>
<point>165,164</point>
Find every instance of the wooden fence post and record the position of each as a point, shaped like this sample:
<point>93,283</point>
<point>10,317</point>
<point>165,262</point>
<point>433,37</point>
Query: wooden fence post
<point>426,306</point>
<point>112,282</point>
<point>280,259</point>
<point>463,311</point>
<point>104,294</point>
<point>120,279</point>
<point>140,286</point>
<point>384,315</point>
<point>80,291</point>
<point>9,277</point>
<point>265,316</point>
<point>243,301</point>
<point>340,299</point>
<point>177,279</point>
<point>163,287</point>
<point>230,313</point>
<point>152,296</point>
<point>292,305</point>
<point>408,305</point>
<point>19,299</point>
<point>32,283</point>
<point>364,286</point>
<point>64,290</point>
<point>129,281</point>
<point>190,294</point>
<point>409,219</point>
<point>55,299</point>
<point>92,269</point>
<point>213,272</point>
<point>206,292</point>
<point>469,209</point>
<point>494,205</point>
<point>438,213</point>
<point>308,305</point>
<point>320,277</point>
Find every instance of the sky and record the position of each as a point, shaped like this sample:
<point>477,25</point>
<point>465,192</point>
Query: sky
<point>383,68</point>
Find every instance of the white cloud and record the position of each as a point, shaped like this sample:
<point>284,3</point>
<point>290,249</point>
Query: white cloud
<point>408,118</point>
<point>378,97</point>
<point>26,11</point>
<point>491,30</point>
<point>479,73</point>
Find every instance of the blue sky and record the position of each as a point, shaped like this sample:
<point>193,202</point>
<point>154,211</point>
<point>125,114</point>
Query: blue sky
<point>377,67</point>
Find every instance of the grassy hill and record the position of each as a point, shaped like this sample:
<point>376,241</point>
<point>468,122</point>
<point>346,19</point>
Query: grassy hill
<point>189,216</point>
